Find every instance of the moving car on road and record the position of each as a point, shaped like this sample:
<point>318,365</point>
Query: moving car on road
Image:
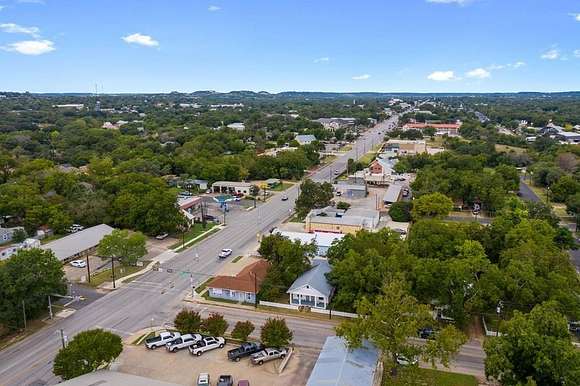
<point>161,340</point>
<point>206,344</point>
<point>284,197</point>
<point>78,263</point>
<point>245,350</point>
<point>268,354</point>
<point>226,252</point>
<point>182,342</point>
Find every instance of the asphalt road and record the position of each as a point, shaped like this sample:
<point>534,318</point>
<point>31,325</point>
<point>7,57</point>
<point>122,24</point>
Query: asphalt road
<point>155,297</point>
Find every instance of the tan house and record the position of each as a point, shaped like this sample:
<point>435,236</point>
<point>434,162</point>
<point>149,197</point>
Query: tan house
<point>334,220</point>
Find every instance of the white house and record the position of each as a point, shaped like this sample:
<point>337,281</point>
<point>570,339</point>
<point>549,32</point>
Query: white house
<point>311,288</point>
<point>322,240</point>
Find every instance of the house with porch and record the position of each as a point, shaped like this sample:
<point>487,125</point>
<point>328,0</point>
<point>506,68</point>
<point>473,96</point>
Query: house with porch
<point>242,287</point>
<point>312,289</point>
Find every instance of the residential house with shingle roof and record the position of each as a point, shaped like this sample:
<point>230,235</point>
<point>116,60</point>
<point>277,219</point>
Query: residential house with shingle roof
<point>242,287</point>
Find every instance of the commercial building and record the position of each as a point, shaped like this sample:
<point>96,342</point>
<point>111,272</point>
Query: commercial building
<point>237,126</point>
<point>334,220</point>
<point>312,289</point>
<point>242,287</point>
<point>79,244</point>
<point>336,123</point>
<point>406,147</point>
<point>450,129</point>
<point>230,187</point>
<point>323,241</point>
<point>305,139</point>
<point>351,191</point>
<point>337,365</point>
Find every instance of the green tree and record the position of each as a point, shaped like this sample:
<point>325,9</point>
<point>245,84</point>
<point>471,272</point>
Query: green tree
<point>187,321</point>
<point>312,195</point>
<point>242,330</point>
<point>565,187</point>
<point>123,246</point>
<point>390,320</point>
<point>432,205</point>
<point>215,324</point>
<point>27,279</point>
<point>275,333</point>
<point>343,205</point>
<point>19,235</point>
<point>88,351</point>
<point>534,346</point>
<point>401,211</point>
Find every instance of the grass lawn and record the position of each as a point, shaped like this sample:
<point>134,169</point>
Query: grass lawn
<point>509,149</point>
<point>196,230</point>
<point>327,159</point>
<point>429,377</point>
<point>120,271</point>
<point>368,158</point>
<point>236,259</point>
<point>295,218</point>
<point>211,232</point>
<point>203,286</point>
<point>281,187</point>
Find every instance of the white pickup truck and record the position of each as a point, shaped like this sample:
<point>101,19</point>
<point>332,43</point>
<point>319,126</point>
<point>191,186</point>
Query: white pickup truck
<point>161,340</point>
<point>182,342</point>
<point>206,344</point>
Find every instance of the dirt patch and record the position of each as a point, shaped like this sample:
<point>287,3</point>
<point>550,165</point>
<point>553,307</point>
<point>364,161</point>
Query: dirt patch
<point>183,368</point>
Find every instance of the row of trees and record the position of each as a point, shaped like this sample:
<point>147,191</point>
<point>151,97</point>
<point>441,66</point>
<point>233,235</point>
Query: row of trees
<point>274,332</point>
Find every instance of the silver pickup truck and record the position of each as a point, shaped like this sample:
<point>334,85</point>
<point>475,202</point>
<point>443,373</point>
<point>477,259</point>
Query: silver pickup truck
<point>268,354</point>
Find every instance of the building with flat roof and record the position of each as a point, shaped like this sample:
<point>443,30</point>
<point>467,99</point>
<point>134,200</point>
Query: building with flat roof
<point>350,190</point>
<point>231,187</point>
<point>339,221</point>
<point>322,240</point>
<point>79,244</point>
<point>450,129</point>
<point>113,378</point>
<point>337,365</point>
<point>403,146</point>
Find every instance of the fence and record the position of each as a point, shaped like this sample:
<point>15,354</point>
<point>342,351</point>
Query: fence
<point>330,313</point>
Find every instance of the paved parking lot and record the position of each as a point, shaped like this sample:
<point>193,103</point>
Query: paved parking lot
<point>75,275</point>
<point>182,368</point>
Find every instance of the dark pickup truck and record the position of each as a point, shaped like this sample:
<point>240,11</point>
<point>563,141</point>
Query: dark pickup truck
<point>245,350</point>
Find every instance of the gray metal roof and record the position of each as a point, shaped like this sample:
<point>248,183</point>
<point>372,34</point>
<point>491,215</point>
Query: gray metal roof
<point>339,366</point>
<point>305,138</point>
<point>315,277</point>
<point>76,243</point>
<point>392,194</point>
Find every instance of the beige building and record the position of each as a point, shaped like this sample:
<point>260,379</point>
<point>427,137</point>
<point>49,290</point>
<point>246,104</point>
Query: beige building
<point>402,146</point>
<point>334,220</point>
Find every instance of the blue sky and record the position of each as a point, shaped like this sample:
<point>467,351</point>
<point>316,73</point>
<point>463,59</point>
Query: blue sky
<point>278,45</point>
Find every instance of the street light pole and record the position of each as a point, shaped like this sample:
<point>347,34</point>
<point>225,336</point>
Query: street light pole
<point>113,270</point>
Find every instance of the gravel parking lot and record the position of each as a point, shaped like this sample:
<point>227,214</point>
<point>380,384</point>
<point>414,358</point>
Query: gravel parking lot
<point>74,274</point>
<point>182,368</point>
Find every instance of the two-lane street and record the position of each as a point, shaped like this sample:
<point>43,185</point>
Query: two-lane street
<point>155,297</point>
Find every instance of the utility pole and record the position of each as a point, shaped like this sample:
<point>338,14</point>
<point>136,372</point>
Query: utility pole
<point>225,211</point>
<point>62,338</point>
<point>49,307</point>
<point>88,271</point>
<point>24,314</point>
<point>113,270</point>
<point>255,290</point>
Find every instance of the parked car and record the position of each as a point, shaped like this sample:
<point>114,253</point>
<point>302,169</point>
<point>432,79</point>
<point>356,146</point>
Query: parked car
<point>339,194</point>
<point>203,379</point>
<point>78,263</point>
<point>245,350</point>
<point>182,342</point>
<point>404,361</point>
<point>243,382</point>
<point>426,333</point>
<point>226,252</point>
<point>206,344</point>
<point>268,354</point>
<point>161,340</point>
<point>225,380</point>
<point>209,217</point>
<point>400,231</point>
<point>284,197</point>
<point>162,236</point>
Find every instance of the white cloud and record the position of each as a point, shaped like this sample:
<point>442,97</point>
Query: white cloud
<point>18,29</point>
<point>322,60</point>
<point>213,8</point>
<point>442,76</point>
<point>576,16</point>
<point>577,53</point>
<point>551,54</point>
<point>361,77</point>
<point>31,47</point>
<point>479,73</point>
<point>143,40</point>
<point>458,2</point>
<point>518,64</point>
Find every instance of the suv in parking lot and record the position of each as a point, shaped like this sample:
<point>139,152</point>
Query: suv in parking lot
<point>183,341</point>
<point>268,354</point>
<point>206,344</point>
<point>225,380</point>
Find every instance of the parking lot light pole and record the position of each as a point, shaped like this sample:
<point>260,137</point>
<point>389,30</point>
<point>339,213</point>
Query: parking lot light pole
<point>88,270</point>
